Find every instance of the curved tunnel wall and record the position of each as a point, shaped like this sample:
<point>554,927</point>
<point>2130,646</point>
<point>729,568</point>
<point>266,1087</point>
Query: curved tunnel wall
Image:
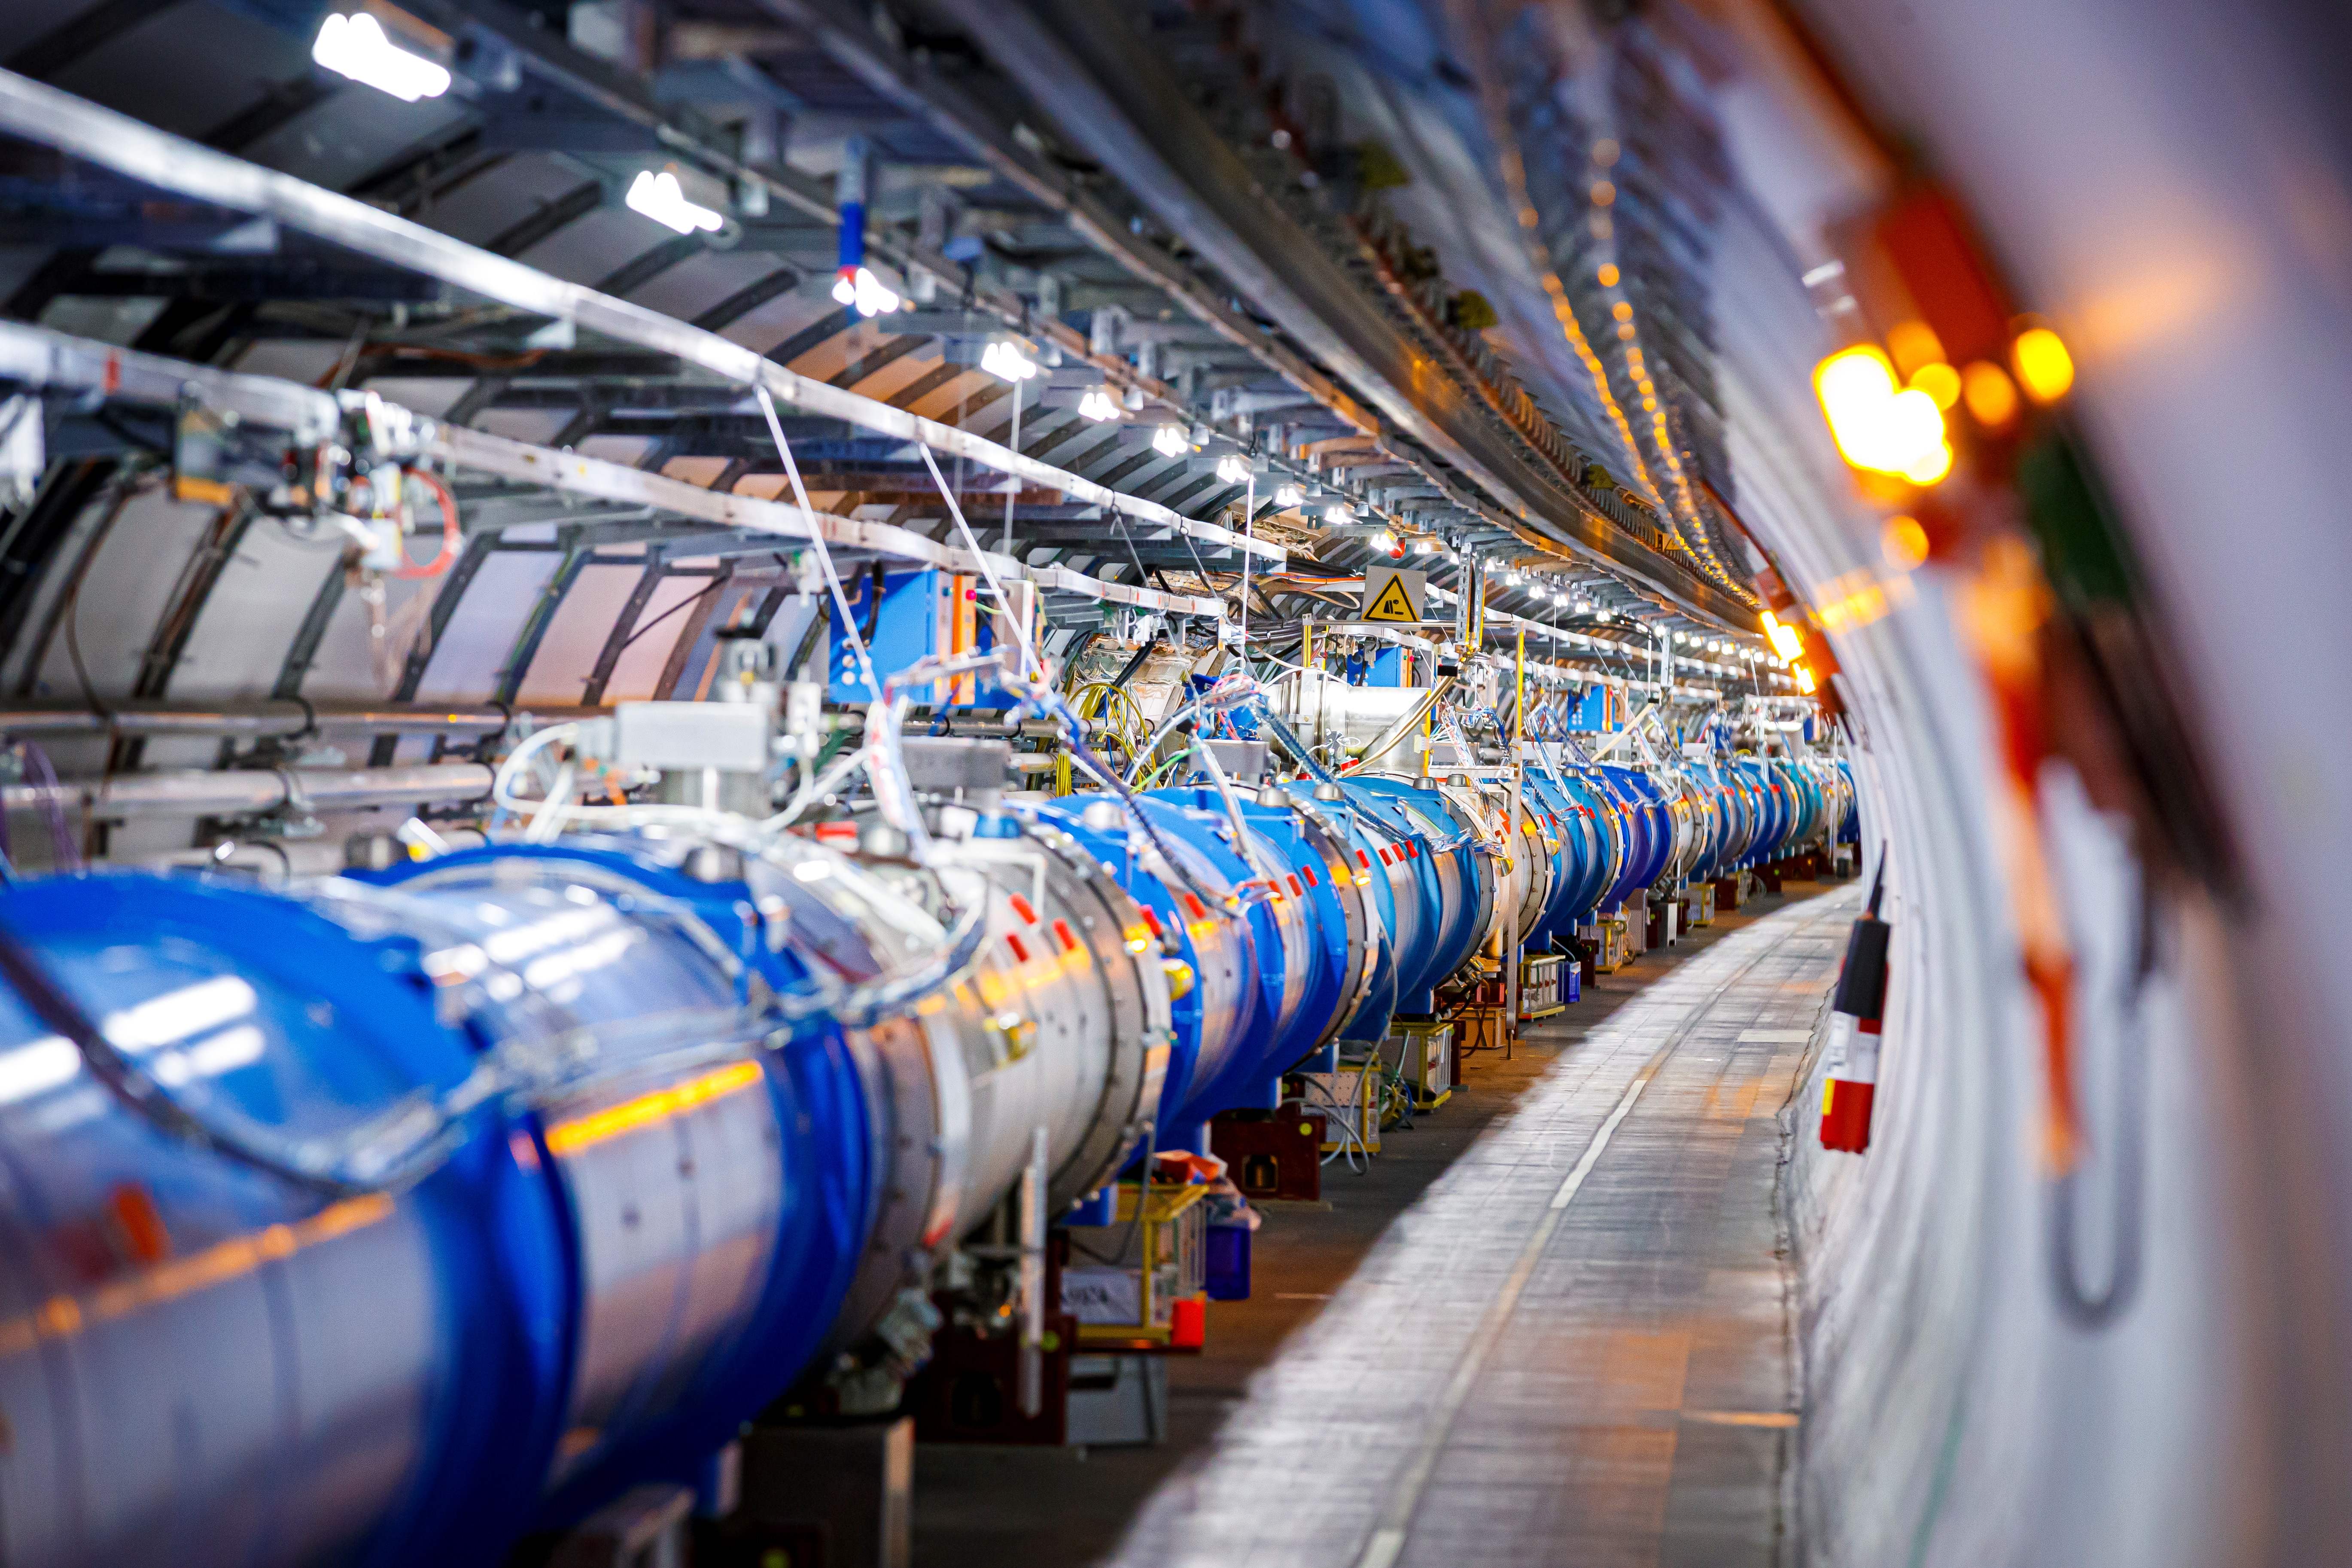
<point>1959,1410</point>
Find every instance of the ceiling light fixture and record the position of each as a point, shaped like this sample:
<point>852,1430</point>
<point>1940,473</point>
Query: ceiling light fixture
<point>1169,441</point>
<point>1005,362</point>
<point>356,46</point>
<point>1234,468</point>
<point>1288,496</point>
<point>661,198</point>
<point>1097,405</point>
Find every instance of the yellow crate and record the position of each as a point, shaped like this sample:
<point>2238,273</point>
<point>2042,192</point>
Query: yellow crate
<point>1134,1298</point>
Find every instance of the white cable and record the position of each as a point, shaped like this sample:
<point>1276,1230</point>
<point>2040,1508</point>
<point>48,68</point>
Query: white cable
<point>816,534</point>
<point>1245,842</point>
<point>1249,535</point>
<point>548,820</point>
<point>547,815</point>
<point>1030,666</point>
<point>502,782</point>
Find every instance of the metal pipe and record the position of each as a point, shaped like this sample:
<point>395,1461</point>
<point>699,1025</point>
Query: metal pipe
<point>264,720</point>
<point>195,792</point>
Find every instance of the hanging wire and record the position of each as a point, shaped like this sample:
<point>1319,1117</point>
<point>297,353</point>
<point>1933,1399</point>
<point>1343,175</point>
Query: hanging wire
<point>2082,1308</point>
<point>817,534</point>
<point>1031,668</point>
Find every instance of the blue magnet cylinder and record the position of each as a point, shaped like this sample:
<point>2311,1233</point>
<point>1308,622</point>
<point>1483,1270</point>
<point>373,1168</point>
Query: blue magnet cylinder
<point>205,1362</point>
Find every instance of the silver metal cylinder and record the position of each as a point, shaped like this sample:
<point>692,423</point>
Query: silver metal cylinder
<point>195,792</point>
<point>263,720</point>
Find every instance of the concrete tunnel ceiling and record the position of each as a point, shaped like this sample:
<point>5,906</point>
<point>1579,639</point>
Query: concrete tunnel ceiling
<point>1924,415</point>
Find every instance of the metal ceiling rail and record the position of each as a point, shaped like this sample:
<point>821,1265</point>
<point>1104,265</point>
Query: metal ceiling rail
<point>38,356</point>
<point>595,81</point>
<point>40,113</point>
<point>1100,81</point>
<point>520,461</point>
<point>912,81</point>
<point>915,86</point>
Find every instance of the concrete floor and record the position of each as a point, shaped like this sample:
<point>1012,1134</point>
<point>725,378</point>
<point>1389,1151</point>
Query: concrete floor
<point>1477,1355</point>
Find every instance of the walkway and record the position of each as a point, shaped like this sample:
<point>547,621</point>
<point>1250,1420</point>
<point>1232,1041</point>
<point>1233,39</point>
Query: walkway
<point>1572,1349</point>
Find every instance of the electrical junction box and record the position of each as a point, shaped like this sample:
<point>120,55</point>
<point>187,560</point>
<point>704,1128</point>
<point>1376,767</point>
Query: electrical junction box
<point>1540,986</point>
<point>679,737</point>
<point>1599,709</point>
<point>1350,1101</point>
<point>1136,1300</point>
<point>914,614</point>
<point>1605,940</point>
<point>1422,1054</point>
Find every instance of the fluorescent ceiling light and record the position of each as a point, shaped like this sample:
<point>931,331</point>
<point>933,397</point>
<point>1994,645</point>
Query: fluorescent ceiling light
<point>661,198</point>
<point>1169,441</point>
<point>1005,362</point>
<point>1288,496</point>
<point>356,46</point>
<point>855,286</point>
<point>1233,470</point>
<point>1097,405</point>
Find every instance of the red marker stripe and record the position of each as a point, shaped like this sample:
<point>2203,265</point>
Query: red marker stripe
<point>1021,906</point>
<point>1191,903</point>
<point>1295,891</point>
<point>1365,861</point>
<point>1310,877</point>
<point>1151,919</point>
<point>1062,930</point>
<point>1020,954</point>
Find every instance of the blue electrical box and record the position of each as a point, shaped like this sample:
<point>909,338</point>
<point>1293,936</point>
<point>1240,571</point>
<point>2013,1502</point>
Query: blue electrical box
<point>1593,710</point>
<point>1388,668</point>
<point>921,613</point>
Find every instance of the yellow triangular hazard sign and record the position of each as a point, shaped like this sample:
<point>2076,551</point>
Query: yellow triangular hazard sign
<point>1393,604</point>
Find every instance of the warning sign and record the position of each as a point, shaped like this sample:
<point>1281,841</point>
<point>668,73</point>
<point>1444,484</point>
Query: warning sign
<point>1393,594</point>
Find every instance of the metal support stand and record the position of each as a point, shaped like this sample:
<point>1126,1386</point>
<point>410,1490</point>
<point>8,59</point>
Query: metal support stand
<point>1032,1276</point>
<point>1511,953</point>
<point>845,1492</point>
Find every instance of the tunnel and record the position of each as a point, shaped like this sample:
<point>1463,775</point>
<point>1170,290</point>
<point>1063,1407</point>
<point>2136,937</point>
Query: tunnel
<point>1333,784</point>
